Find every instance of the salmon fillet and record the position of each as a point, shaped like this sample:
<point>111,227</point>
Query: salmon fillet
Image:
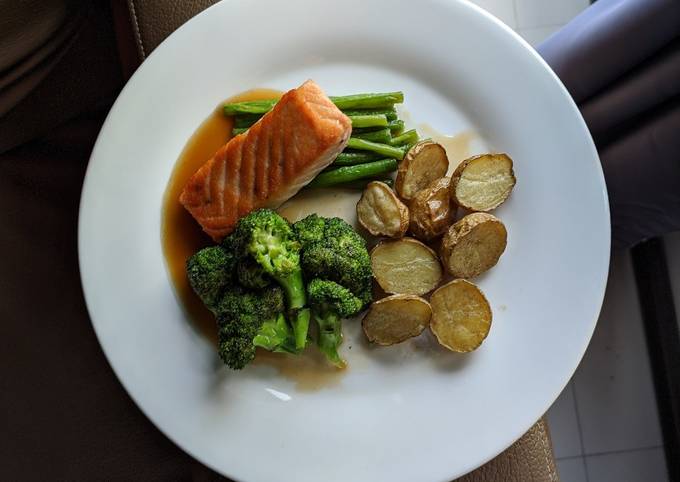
<point>269,163</point>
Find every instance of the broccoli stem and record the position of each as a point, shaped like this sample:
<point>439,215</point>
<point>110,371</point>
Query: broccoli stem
<point>351,158</point>
<point>294,289</point>
<point>238,130</point>
<point>375,120</point>
<point>345,174</point>
<point>382,135</point>
<point>408,137</point>
<point>330,337</point>
<point>356,101</point>
<point>275,335</point>
<point>300,322</point>
<point>296,296</point>
<point>382,149</point>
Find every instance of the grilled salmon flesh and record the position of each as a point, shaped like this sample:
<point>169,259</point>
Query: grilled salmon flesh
<point>270,162</point>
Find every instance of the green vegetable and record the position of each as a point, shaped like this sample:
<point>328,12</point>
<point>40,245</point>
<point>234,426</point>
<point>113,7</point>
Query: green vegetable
<point>366,121</point>
<point>246,120</point>
<point>382,135</point>
<point>210,273</point>
<point>276,335</point>
<point>362,183</point>
<point>251,274</point>
<point>396,126</point>
<point>244,320</point>
<point>332,250</point>
<point>376,120</point>
<point>269,239</point>
<point>356,101</point>
<point>351,158</point>
<point>407,138</point>
<point>335,258</point>
<point>390,113</point>
<point>346,174</point>
<point>368,101</point>
<point>330,303</point>
<point>249,107</point>
<point>382,149</point>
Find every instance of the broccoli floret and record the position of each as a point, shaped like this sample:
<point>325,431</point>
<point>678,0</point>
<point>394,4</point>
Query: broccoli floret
<point>330,303</point>
<point>269,239</point>
<point>251,275</point>
<point>336,253</point>
<point>276,335</point>
<point>247,319</point>
<point>310,229</point>
<point>210,272</point>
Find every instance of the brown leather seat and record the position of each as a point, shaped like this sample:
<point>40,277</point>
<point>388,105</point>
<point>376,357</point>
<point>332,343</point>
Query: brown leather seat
<point>66,416</point>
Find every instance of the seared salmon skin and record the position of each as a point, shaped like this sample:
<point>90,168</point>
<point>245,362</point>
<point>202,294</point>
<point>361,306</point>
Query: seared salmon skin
<point>270,162</point>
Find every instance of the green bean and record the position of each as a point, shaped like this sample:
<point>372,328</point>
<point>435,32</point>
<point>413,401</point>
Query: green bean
<point>382,149</point>
<point>408,137</point>
<point>368,101</point>
<point>344,102</point>
<point>249,107</point>
<point>362,183</point>
<point>390,113</point>
<point>246,120</point>
<point>382,135</point>
<point>377,120</point>
<point>346,174</point>
<point>351,158</point>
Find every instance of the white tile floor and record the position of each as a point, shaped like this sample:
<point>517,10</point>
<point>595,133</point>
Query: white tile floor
<point>605,425</point>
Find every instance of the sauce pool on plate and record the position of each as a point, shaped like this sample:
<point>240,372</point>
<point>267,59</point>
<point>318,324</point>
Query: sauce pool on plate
<point>181,237</point>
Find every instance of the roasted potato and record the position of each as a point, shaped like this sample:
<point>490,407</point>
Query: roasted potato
<point>381,212</point>
<point>424,162</point>
<point>482,183</point>
<point>396,318</point>
<point>461,316</point>
<point>431,210</point>
<point>473,245</point>
<point>405,266</point>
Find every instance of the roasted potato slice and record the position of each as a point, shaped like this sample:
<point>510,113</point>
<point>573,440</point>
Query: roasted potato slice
<point>381,212</point>
<point>424,162</point>
<point>482,183</point>
<point>396,318</point>
<point>473,245</point>
<point>461,316</point>
<point>431,210</point>
<point>405,266</point>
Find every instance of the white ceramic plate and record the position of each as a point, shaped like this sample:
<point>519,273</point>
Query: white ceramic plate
<point>403,413</point>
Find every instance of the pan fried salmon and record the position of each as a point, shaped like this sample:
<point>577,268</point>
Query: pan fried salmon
<point>269,163</point>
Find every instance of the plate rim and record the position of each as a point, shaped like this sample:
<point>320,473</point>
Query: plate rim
<point>86,189</point>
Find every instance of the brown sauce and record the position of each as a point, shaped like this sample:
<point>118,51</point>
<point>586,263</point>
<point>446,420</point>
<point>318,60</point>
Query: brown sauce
<point>181,236</point>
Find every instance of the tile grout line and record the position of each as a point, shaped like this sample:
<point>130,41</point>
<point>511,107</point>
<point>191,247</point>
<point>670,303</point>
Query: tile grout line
<point>578,416</point>
<point>578,426</point>
<point>584,462</point>
<point>612,452</point>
